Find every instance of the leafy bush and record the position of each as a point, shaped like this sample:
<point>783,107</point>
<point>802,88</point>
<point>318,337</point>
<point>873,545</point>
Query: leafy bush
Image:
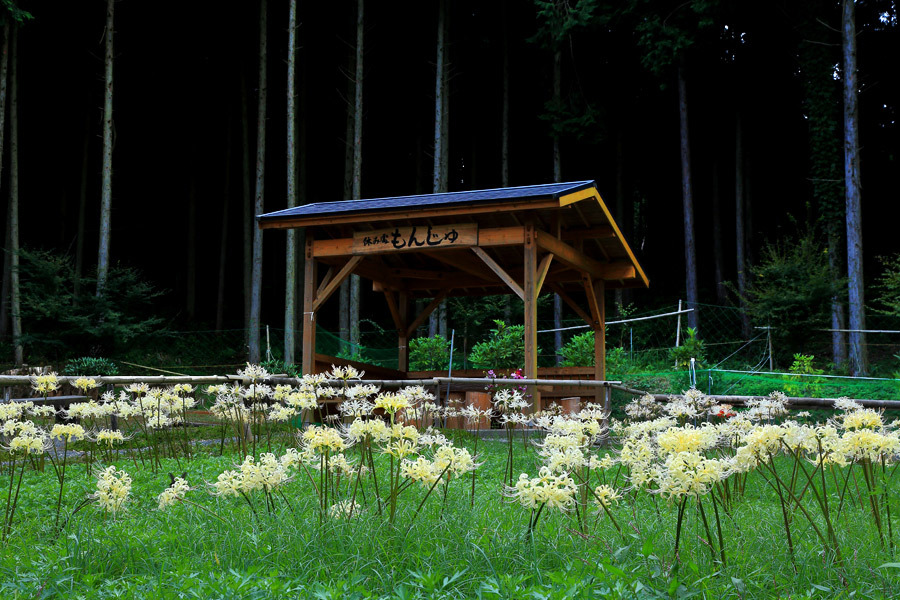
<point>429,353</point>
<point>279,366</point>
<point>889,286</point>
<point>578,351</point>
<point>56,321</point>
<point>690,348</point>
<point>803,385</point>
<point>790,289</point>
<point>89,365</point>
<point>504,349</point>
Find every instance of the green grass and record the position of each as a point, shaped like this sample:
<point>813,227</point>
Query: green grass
<point>460,552</point>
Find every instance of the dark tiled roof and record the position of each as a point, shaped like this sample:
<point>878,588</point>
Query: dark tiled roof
<point>510,194</point>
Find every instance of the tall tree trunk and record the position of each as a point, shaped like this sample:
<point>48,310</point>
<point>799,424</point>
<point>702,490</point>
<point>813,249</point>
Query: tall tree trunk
<point>191,254</point>
<point>246,205</point>
<point>444,7</point>
<point>82,207</point>
<point>504,116</point>
<point>258,209</point>
<point>557,177</point>
<point>438,184</point>
<point>739,225</point>
<point>7,265</point>
<point>838,320</point>
<point>859,361</point>
<point>445,140</point>
<point>106,185</point>
<point>690,250</point>
<point>344,297</point>
<point>718,260</point>
<point>301,185</point>
<point>223,237</point>
<point>357,162</point>
<point>15,301</point>
<point>290,266</point>
<point>822,100</point>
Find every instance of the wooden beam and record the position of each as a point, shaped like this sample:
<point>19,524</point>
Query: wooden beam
<point>404,273</point>
<point>501,236</point>
<point>598,292</point>
<point>498,270</point>
<point>402,335</point>
<point>592,301</point>
<point>465,263</point>
<point>602,232</point>
<point>569,255</point>
<point>328,275</point>
<point>530,298</point>
<point>424,314</point>
<point>572,304</point>
<point>578,196</point>
<point>542,270</point>
<point>495,236</point>
<point>336,281</point>
<point>426,213</point>
<point>395,310</point>
<point>308,318</point>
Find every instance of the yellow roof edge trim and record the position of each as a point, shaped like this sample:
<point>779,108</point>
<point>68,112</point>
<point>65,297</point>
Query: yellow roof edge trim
<point>578,196</point>
<point>592,192</point>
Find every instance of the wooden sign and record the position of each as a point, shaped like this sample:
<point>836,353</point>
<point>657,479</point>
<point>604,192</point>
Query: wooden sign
<point>417,237</point>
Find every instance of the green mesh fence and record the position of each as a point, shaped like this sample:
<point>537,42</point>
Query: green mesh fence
<point>721,382</point>
<point>332,345</point>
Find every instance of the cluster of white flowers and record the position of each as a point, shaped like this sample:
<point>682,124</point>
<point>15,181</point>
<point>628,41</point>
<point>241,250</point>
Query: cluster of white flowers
<point>267,474</point>
<point>113,489</point>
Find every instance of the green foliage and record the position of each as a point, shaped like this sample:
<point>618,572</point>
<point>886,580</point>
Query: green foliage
<point>9,11</point>
<point>56,322</point>
<point>665,30</point>
<point>790,290</point>
<point>557,20</point>
<point>578,351</point>
<point>279,366</point>
<point>89,365</point>
<point>429,353</point>
<point>691,347</point>
<point>888,286</point>
<point>504,349</point>
<point>804,385</point>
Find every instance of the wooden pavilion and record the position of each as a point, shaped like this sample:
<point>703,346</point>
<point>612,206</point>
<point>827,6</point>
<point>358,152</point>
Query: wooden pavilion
<point>523,240</point>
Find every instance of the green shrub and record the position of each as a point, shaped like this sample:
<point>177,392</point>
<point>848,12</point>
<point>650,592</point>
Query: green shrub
<point>690,348</point>
<point>790,290</point>
<point>58,323</point>
<point>429,353</point>
<point>504,349</point>
<point>578,351</point>
<point>89,365</point>
<point>279,366</point>
<point>888,286</point>
<point>804,385</point>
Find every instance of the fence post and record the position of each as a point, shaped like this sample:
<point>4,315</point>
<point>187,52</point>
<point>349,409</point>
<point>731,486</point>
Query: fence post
<point>678,330</point>
<point>678,327</point>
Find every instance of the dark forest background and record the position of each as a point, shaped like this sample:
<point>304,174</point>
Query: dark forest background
<point>182,75</point>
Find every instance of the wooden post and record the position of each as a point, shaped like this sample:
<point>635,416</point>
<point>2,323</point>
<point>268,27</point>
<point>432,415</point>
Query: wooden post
<point>530,289</point>
<point>599,289</point>
<point>310,280</point>
<point>402,335</point>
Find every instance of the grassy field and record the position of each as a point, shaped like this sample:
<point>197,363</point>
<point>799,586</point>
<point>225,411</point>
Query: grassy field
<point>456,547</point>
